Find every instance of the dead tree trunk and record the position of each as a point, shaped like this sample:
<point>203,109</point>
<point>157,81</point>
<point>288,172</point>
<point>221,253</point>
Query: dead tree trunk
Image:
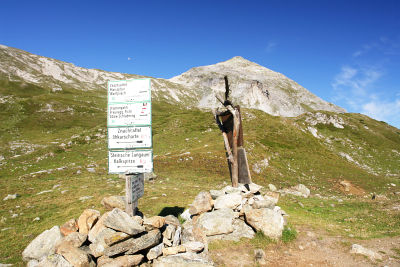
<point>229,122</point>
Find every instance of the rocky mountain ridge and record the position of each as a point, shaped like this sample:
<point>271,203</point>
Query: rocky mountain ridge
<point>252,85</point>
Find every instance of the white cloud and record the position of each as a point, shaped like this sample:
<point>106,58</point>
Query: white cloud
<point>129,58</point>
<point>355,80</point>
<point>384,111</point>
<point>358,86</point>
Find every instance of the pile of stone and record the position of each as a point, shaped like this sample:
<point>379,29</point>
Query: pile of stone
<point>117,239</point>
<point>233,213</point>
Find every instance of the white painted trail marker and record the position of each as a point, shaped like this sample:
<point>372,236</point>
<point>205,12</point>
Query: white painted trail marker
<point>129,137</point>
<point>129,114</point>
<point>129,91</point>
<point>130,161</point>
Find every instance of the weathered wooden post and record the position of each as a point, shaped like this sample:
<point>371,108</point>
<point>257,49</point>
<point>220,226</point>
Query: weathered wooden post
<point>129,135</point>
<point>229,122</point>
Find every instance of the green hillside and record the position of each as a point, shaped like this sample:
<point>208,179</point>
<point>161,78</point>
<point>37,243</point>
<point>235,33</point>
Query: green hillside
<point>53,151</point>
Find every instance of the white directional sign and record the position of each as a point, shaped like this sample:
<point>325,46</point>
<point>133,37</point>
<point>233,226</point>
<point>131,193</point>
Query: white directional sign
<point>129,137</point>
<point>129,91</point>
<point>130,161</point>
<point>129,114</point>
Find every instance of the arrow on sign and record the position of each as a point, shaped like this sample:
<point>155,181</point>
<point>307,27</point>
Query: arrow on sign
<point>130,142</point>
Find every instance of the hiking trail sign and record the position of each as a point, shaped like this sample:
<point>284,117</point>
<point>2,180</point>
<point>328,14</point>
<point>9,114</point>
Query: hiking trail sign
<point>129,135</point>
<point>129,126</point>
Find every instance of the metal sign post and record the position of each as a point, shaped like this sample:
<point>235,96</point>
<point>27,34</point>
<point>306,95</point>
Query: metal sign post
<point>129,135</point>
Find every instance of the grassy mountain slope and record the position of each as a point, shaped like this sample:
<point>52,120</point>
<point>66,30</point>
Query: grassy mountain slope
<point>53,151</point>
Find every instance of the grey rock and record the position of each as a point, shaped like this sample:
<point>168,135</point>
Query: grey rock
<point>54,260</point>
<point>216,193</point>
<point>270,222</point>
<point>169,231</point>
<point>11,196</point>
<point>75,239</point>
<point>194,246</point>
<point>202,203</point>
<point>115,238</point>
<point>358,249</point>
<point>171,219</point>
<point>112,202</point>
<point>177,237</point>
<point>134,245</point>
<point>216,222</point>
<point>75,256</point>
<point>187,232</point>
<point>252,188</point>
<point>43,245</point>
<point>186,215</point>
<point>229,201</point>
<point>155,252</point>
<point>97,228</point>
<point>99,245</point>
<point>266,202</point>
<point>259,256</point>
<point>229,189</point>
<point>121,221</point>
<point>303,190</point>
<point>187,259</point>
<point>272,187</point>
<point>240,230</point>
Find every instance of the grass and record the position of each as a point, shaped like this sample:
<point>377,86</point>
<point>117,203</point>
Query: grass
<point>260,240</point>
<point>289,234</point>
<point>31,141</point>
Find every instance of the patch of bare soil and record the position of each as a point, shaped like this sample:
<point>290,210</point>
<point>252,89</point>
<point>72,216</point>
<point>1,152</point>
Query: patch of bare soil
<point>312,248</point>
<point>348,188</point>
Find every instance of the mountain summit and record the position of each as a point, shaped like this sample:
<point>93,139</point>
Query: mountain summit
<point>252,85</point>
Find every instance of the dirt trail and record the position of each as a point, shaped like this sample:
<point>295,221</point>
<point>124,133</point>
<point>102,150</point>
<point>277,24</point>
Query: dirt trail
<point>313,248</point>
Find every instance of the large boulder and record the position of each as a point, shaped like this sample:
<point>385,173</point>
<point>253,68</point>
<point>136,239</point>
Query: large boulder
<point>121,221</point>
<point>99,245</point>
<point>75,256</point>
<point>43,245</point>
<point>133,245</point>
<point>113,202</point>
<point>216,222</point>
<point>97,228</point>
<point>228,201</point>
<point>202,203</point>
<point>240,230</point>
<point>54,260</point>
<point>269,221</point>
<point>75,239</point>
<point>187,259</point>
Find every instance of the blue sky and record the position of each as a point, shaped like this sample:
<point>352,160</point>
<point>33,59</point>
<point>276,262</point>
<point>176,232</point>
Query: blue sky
<point>346,52</point>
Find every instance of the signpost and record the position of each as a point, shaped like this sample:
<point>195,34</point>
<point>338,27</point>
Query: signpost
<point>129,135</point>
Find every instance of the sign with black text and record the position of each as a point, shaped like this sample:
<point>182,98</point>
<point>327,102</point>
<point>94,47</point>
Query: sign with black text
<point>129,137</point>
<point>130,161</point>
